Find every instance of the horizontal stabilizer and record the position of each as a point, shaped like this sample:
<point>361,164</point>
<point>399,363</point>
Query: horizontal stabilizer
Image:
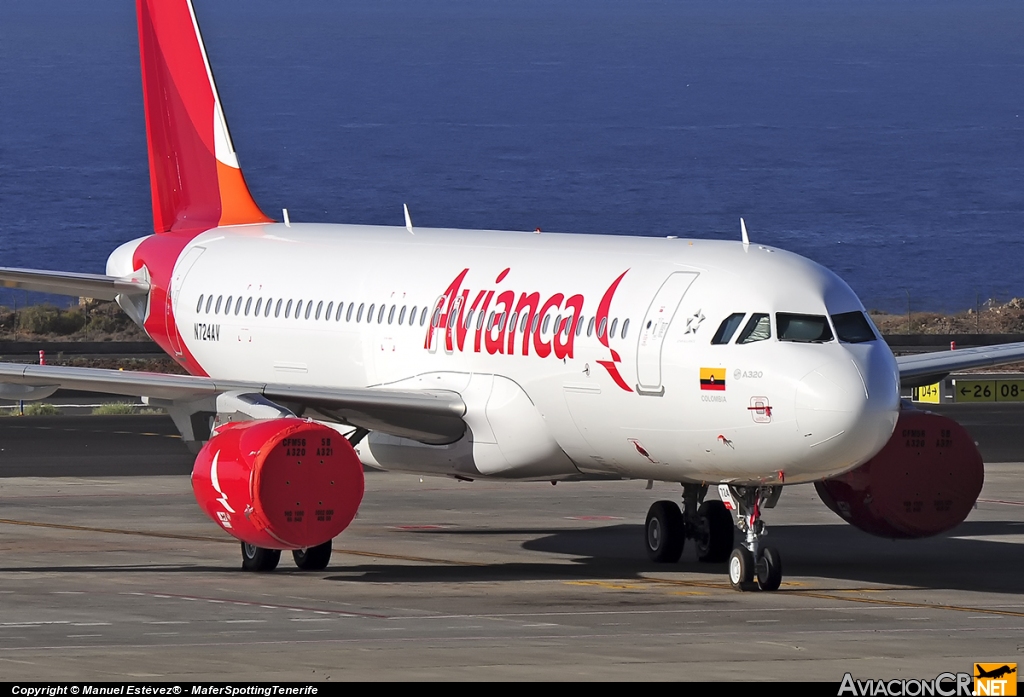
<point>82,285</point>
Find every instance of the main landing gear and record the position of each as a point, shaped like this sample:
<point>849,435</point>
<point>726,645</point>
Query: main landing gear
<point>710,525</point>
<point>261,559</point>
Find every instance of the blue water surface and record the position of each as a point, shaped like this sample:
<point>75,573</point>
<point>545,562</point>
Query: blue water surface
<point>882,139</point>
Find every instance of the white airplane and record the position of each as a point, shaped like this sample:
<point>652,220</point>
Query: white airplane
<point>315,350</point>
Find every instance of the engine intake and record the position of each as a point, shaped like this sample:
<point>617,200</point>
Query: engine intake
<point>923,482</point>
<point>279,483</point>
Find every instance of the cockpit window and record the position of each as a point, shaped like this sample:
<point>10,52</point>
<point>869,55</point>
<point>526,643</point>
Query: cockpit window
<point>803,328</point>
<point>853,327</point>
<point>727,328</point>
<point>758,328</point>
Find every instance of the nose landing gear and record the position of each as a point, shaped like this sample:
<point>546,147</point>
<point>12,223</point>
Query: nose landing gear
<point>710,525</point>
<point>751,559</point>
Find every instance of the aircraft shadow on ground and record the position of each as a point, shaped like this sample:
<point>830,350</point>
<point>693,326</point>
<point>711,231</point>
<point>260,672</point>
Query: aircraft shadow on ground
<point>955,561</point>
<point>969,558</point>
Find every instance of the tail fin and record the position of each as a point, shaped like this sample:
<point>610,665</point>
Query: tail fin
<point>194,174</point>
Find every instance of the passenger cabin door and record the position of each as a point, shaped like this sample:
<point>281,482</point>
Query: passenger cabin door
<point>654,328</point>
<point>181,270</point>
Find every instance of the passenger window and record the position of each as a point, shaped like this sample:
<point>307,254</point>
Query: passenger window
<point>298,309</point>
<point>288,309</point>
<point>512,319</point>
<point>727,328</point>
<point>435,318</point>
<point>615,325</point>
<point>423,316</point>
<point>590,326</point>
<point>412,315</point>
<point>547,323</point>
<point>277,308</point>
<point>469,319</point>
<point>319,308</point>
<point>309,308</point>
<point>853,328</point>
<point>758,328</point>
<point>480,320</point>
<point>803,328</point>
<point>369,313</point>
<point>329,312</point>
<point>401,316</point>
<point>341,308</point>
<point>238,305</point>
<point>625,328</point>
<point>524,322</point>
<point>220,299</point>
<point>227,305</point>
<point>579,325</point>
<point>248,306</point>
<point>453,317</point>
<point>391,315</point>
<point>199,305</point>
<point>601,328</point>
<point>380,314</point>
<point>209,300</point>
<point>259,305</point>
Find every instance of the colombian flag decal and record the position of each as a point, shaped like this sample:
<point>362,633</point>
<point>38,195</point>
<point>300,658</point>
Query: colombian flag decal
<point>712,379</point>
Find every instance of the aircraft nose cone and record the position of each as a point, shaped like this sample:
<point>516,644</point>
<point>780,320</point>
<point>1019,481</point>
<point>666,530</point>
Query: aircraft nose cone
<point>827,398</point>
<point>846,408</point>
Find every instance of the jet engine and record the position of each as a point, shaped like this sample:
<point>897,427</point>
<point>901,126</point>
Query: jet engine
<point>279,483</point>
<point>923,482</point>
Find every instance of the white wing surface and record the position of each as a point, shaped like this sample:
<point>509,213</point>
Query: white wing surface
<point>928,368</point>
<point>433,417</point>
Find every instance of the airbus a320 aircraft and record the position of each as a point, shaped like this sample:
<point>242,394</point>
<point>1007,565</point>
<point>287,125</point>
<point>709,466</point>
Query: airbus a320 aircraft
<point>315,350</point>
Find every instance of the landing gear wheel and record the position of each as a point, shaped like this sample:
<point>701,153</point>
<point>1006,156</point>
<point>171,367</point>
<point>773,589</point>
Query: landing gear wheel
<point>715,536</point>
<point>769,570</point>
<point>258,558</point>
<point>741,569</point>
<point>664,533</point>
<point>313,558</point>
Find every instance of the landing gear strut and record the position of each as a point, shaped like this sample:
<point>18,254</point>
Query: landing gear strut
<point>751,560</point>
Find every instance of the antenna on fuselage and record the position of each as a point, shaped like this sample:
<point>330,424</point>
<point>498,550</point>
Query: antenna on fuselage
<point>287,220</point>
<point>743,233</point>
<point>408,219</point>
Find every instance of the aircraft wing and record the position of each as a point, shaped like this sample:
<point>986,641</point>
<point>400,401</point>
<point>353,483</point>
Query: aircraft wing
<point>928,368</point>
<point>428,416</point>
<point>89,285</point>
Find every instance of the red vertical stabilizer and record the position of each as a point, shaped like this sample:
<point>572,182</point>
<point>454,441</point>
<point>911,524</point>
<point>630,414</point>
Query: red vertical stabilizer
<point>194,174</point>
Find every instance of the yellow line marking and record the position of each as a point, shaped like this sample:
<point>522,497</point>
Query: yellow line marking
<point>114,531</point>
<point>883,602</point>
<point>228,540</point>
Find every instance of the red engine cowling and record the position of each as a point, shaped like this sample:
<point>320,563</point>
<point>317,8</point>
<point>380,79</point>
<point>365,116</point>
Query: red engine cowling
<point>923,482</point>
<point>279,483</point>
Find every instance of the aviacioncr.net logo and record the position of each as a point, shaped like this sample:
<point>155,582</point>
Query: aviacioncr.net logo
<point>943,685</point>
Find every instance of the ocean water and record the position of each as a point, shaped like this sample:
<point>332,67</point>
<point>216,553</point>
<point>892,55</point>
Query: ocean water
<point>882,139</point>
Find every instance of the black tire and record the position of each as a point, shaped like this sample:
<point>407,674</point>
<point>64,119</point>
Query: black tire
<point>664,532</point>
<point>741,569</point>
<point>715,538</point>
<point>769,570</point>
<point>313,558</point>
<point>258,558</point>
